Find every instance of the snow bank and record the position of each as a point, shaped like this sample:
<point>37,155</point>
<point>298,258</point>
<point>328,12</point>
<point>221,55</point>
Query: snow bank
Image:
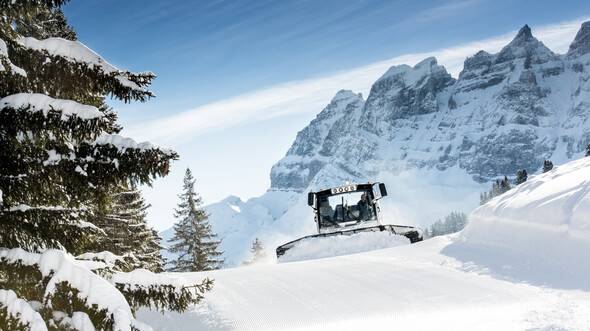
<point>545,220</point>
<point>321,247</point>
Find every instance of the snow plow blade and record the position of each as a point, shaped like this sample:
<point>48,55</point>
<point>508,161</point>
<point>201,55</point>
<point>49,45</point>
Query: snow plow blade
<point>410,232</point>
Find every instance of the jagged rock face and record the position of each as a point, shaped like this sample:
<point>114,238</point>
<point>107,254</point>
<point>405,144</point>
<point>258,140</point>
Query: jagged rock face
<point>505,112</point>
<point>404,93</point>
<point>314,145</point>
<point>581,44</point>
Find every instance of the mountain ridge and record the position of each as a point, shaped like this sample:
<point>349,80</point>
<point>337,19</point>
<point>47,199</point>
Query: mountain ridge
<point>510,98</point>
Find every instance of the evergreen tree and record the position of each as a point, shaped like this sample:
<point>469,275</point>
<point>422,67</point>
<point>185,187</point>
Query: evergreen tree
<point>126,232</point>
<point>455,222</point>
<point>59,143</point>
<point>547,166</point>
<point>504,186</point>
<point>437,229</point>
<point>258,252</point>
<point>588,150</point>
<point>521,176</point>
<point>483,198</point>
<point>498,188</point>
<point>61,158</point>
<point>45,24</point>
<point>193,238</point>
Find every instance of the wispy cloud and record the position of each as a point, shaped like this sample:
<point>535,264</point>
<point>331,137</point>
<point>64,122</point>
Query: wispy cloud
<point>446,10</point>
<point>310,96</point>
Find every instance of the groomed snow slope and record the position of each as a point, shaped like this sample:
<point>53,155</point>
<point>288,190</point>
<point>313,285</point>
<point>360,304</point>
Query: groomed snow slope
<point>521,263</point>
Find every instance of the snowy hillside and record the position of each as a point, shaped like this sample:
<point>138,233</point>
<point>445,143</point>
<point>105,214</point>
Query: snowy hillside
<point>239,222</point>
<point>521,263</point>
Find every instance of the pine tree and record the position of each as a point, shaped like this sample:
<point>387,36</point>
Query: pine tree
<point>61,157</point>
<point>588,150</point>
<point>59,143</point>
<point>437,229</point>
<point>455,222</point>
<point>193,238</point>
<point>504,186</point>
<point>484,198</point>
<point>521,176</point>
<point>426,234</point>
<point>126,232</point>
<point>258,252</point>
<point>547,166</point>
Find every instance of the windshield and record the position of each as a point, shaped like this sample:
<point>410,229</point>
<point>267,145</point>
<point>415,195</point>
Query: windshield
<point>354,207</point>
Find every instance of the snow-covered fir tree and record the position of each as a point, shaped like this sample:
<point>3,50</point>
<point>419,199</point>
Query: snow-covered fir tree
<point>258,252</point>
<point>437,229</point>
<point>588,150</point>
<point>59,142</point>
<point>126,232</point>
<point>193,239</point>
<point>61,158</point>
<point>547,166</point>
<point>521,176</point>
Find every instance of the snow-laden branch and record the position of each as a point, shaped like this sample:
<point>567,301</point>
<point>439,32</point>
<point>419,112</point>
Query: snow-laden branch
<point>124,143</point>
<point>20,310</point>
<point>76,51</point>
<point>145,278</point>
<point>61,267</point>
<point>4,55</point>
<point>36,102</point>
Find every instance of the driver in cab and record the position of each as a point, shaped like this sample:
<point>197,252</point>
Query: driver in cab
<point>365,208</point>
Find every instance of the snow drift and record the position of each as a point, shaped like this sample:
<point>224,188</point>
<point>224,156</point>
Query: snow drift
<point>542,226</point>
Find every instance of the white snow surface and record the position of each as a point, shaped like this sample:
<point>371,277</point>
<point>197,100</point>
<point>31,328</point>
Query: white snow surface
<point>36,102</point>
<point>22,310</point>
<point>522,263</point>
<point>76,51</point>
<point>123,143</point>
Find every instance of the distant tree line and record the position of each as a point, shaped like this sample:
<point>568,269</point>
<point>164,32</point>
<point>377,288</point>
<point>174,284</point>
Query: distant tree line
<point>454,222</point>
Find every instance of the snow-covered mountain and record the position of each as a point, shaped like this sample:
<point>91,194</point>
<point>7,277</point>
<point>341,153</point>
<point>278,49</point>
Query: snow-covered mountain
<point>505,112</point>
<point>436,141</point>
<point>521,263</point>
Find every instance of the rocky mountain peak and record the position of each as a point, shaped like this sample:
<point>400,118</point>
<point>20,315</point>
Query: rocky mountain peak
<point>408,75</point>
<point>403,92</point>
<point>526,46</point>
<point>581,44</point>
<point>524,33</point>
<point>346,96</point>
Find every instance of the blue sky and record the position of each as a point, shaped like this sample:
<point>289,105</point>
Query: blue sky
<point>238,79</point>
